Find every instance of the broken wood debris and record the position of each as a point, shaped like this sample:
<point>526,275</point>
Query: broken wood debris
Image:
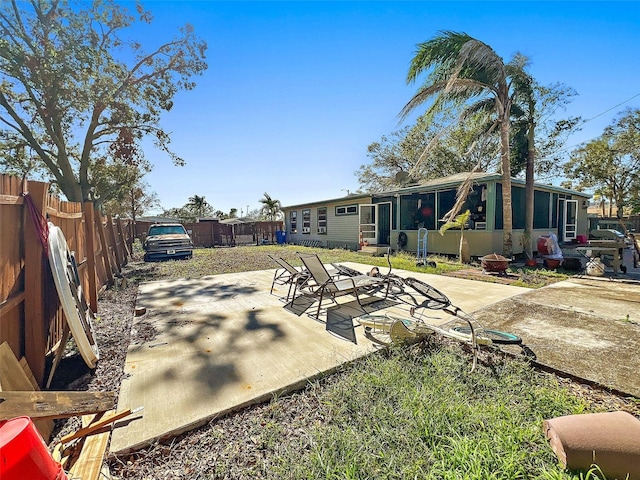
<point>39,405</point>
<point>17,376</point>
<point>82,453</point>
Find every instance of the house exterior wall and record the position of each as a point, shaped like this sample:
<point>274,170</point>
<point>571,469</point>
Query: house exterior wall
<point>342,224</point>
<point>483,238</point>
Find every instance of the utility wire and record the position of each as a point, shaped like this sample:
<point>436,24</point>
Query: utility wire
<point>607,111</point>
<point>565,149</point>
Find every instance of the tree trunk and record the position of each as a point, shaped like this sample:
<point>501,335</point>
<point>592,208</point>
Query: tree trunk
<point>529,195</point>
<point>507,213</point>
<point>465,256</point>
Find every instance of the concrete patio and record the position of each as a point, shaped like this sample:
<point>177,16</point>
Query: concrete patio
<point>215,344</point>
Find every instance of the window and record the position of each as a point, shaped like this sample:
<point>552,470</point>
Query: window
<point>293,222</point>
<point>347,210</point>
<point>306,221</point>
<point>322,220</point>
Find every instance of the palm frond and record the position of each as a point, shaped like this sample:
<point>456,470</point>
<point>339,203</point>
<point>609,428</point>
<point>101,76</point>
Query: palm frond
<point>480,57</point>
<point>440,52</point>
<point>462,193</point>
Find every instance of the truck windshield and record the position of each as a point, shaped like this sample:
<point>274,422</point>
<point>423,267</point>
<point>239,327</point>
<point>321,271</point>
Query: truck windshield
<point>167,230</point>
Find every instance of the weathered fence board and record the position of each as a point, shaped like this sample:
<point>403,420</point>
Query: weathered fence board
<point>31,319</point>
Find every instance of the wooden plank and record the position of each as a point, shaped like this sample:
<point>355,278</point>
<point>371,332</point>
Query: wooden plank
<point>107,419</point>
<point>36,322</point>
<point>92,294</point>
<point>12,376</point>
<point>58,214</point>
<point>29,374</point>
<point>123,240</point>
<point>89,463</point>
<point>54,404</point>
<point>11,302</point>
<point>10,200</point>
<point>113,241</point>
<point>15,377</point>
<point>59,351</point>
<point>105,251</point>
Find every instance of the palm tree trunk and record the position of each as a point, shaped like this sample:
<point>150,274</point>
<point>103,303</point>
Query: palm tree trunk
<point>507,212</point>
<point>529,195</point>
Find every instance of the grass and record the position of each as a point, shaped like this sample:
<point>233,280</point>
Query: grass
<point>403,413</point>
<point>212,261</point>
<point>419,413</point>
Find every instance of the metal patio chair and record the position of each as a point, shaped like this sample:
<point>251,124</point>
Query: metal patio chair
<point>330,287</point>
<point>289,275</point>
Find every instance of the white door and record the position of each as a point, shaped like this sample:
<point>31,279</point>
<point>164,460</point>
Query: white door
<point>570,227</point>
<point>368,224</point>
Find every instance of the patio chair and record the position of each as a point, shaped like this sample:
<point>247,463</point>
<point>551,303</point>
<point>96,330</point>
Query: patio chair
<point>332,287</point>
<point>289,275</point>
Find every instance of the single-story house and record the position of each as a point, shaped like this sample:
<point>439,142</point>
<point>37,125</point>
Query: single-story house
<point>378,219</point>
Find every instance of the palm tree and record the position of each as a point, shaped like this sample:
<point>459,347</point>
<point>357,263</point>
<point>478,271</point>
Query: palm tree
<point>270,207</point>
<point>199,206</point>
<point>460,222</point>
<point>464,69</point>
<point>525,90</point>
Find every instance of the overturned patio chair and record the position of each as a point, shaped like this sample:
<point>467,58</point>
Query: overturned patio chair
<point>289,275</point>
<point>332,287</point>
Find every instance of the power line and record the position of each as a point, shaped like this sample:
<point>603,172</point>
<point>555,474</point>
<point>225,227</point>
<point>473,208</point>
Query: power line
<point>608,110</point>
<point>565,149</point>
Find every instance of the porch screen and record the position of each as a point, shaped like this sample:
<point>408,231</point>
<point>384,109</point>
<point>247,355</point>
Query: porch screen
<point>517,207</point>
<point>417,211</point>
<point>541,209</point>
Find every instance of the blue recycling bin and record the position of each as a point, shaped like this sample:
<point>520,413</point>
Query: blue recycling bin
<point>281,237</point>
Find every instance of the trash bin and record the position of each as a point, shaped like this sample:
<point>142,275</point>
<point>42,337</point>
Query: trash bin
<point>281,237</point>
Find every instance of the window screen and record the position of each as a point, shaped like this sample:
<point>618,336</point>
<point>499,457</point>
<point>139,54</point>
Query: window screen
<point>541,209</point>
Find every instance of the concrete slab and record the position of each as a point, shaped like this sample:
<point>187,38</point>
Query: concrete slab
<point>587,327</point>
<point>215,344</point>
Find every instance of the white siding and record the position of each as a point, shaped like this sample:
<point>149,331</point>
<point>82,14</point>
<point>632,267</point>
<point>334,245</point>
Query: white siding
<point>342,230</point>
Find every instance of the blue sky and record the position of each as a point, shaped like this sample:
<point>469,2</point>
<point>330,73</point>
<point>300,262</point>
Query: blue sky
<point>295,91</point>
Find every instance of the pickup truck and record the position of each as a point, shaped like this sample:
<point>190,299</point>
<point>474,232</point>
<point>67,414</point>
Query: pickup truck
<point>167,240</point>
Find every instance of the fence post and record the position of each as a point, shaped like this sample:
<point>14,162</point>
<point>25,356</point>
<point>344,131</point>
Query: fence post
<point>35,277</point>
<point>89,231</point>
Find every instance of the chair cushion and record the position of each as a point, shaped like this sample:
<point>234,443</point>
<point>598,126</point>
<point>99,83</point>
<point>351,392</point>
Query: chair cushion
<point>610,440</point>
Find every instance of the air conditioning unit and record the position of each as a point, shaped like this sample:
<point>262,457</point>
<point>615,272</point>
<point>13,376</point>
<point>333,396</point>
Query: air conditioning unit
<point>322,229</point>
<point>306,229</point>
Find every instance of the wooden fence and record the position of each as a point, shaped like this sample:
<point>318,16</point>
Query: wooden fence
<point>212,234</point>
<point>31,318</point>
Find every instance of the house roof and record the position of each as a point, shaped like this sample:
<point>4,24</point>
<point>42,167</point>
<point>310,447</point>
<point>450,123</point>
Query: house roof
<point>441,183</point>
<point>238,221</point>
<point>342,200</point>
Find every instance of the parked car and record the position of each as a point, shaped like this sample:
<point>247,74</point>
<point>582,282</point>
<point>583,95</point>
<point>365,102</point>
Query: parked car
<point>167,240</point>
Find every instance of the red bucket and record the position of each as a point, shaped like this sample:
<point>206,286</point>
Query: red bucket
<point>23,453</point>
